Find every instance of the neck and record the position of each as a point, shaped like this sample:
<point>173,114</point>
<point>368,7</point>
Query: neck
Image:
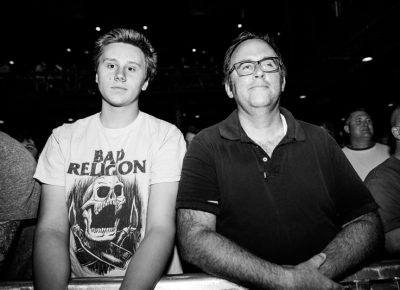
<point>264,129</point>
<point>118,117</point>
<point>260,119</point>
<point>361,143</point>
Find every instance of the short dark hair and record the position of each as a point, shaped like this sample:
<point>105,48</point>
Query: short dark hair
<point>245,35</point>
<point>349,115</point>
<point>129,36</point>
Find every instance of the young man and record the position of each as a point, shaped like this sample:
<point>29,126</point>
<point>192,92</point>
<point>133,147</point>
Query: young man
<point>110,180</point>
<point>363,152</point>
<point>268,201</point>
<point>384,183</point>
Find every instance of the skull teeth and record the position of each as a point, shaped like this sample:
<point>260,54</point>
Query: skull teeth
<point>102,230</point>
<point>99,206</point>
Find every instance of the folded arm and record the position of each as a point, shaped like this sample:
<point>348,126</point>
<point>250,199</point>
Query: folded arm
<point>357,241</point>
<point>51,244</point>
<point>218,256</point>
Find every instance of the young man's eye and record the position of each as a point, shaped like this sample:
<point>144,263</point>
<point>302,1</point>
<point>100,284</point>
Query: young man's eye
<point>110,65</point>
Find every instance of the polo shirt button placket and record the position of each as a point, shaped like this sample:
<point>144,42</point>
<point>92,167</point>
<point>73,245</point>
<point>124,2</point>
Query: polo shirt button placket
<point>265,159</point>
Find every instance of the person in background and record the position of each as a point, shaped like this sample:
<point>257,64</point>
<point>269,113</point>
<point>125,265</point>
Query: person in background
<point>363,152</point>
<point>268,201</point>
<point>191,131</point>
<point>384,183</point>
<point>110,180</point>
<point>19,200</point>
<point>29,140</point>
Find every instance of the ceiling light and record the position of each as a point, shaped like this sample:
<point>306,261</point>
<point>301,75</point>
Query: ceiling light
<point>68,49</point>
<point>11,62</point>
<point>145,27</point>
<point>390,105</point>
<point>367,59</point>
<point>302,97</point>
<point>98,28</point>
<point>239,25</point>
<point>193,50</point>
<point>1,122</point>
<point>197,116</point>
<point>70,120</point>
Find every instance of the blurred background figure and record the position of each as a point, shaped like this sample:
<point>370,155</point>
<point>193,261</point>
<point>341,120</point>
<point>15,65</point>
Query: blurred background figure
<point>190,132</point>
<point>29,141</point>
<point>363,152</point>
<point>19,199</point>
<point>384,184</point>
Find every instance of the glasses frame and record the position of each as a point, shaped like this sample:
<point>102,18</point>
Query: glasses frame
<point>257,64</point>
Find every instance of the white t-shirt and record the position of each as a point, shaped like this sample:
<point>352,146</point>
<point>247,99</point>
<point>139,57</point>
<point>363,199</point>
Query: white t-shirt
<point>107,175</point>
<point>364,160</point>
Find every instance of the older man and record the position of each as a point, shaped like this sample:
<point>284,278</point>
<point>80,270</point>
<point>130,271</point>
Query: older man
<point>268,201</point>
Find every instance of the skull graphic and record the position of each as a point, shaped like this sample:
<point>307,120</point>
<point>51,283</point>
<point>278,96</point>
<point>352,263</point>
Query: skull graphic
<point>102,201</point>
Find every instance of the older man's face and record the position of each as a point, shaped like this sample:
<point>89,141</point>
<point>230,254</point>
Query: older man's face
<point>259,89</point>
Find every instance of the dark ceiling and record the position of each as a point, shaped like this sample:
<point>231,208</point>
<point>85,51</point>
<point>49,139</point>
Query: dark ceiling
<point>322,42</point>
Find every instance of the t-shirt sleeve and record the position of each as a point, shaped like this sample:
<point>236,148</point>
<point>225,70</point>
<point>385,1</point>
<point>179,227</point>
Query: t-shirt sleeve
<point>198,188</point>
<point>50,168</point>
<point>387,198</point>
<point>167,160</point>
<point>352,197</point>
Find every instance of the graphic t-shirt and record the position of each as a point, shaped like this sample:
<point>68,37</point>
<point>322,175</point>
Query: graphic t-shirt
<point>107,175</point>
<point>364,160</point>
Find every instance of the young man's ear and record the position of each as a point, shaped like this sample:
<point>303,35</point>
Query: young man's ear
<point>228,89</point>
<point>145,85</point>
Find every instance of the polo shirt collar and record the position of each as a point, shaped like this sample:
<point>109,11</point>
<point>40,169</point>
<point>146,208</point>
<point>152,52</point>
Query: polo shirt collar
<point>231,129</point>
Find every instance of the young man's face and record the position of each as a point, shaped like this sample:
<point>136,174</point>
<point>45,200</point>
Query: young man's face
<point>121,74</point>
<point>259,89</point>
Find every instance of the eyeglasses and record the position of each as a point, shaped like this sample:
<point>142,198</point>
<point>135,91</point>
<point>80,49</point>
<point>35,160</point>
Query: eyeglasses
<point>247,67</point>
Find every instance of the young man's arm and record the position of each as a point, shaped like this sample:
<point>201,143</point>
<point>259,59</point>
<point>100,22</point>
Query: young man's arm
<point>357,241</point>
<point>51,244</point>
<point>149,261</point>
<point>216,255</point>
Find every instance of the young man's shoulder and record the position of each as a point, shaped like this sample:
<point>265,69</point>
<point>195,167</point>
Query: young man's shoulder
<point>68,129</point>
<point>156,125</point>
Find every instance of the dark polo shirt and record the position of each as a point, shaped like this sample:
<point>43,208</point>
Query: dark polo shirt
<point>284,208</point>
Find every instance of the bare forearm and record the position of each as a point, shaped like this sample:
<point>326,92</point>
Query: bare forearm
<point>354,244</point>
<point>149,261</point>
<point>220,257</point>
<point>51,260</point>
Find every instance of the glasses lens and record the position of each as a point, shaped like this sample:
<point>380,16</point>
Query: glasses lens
<point>245,68</point>
<point>269,64</point>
